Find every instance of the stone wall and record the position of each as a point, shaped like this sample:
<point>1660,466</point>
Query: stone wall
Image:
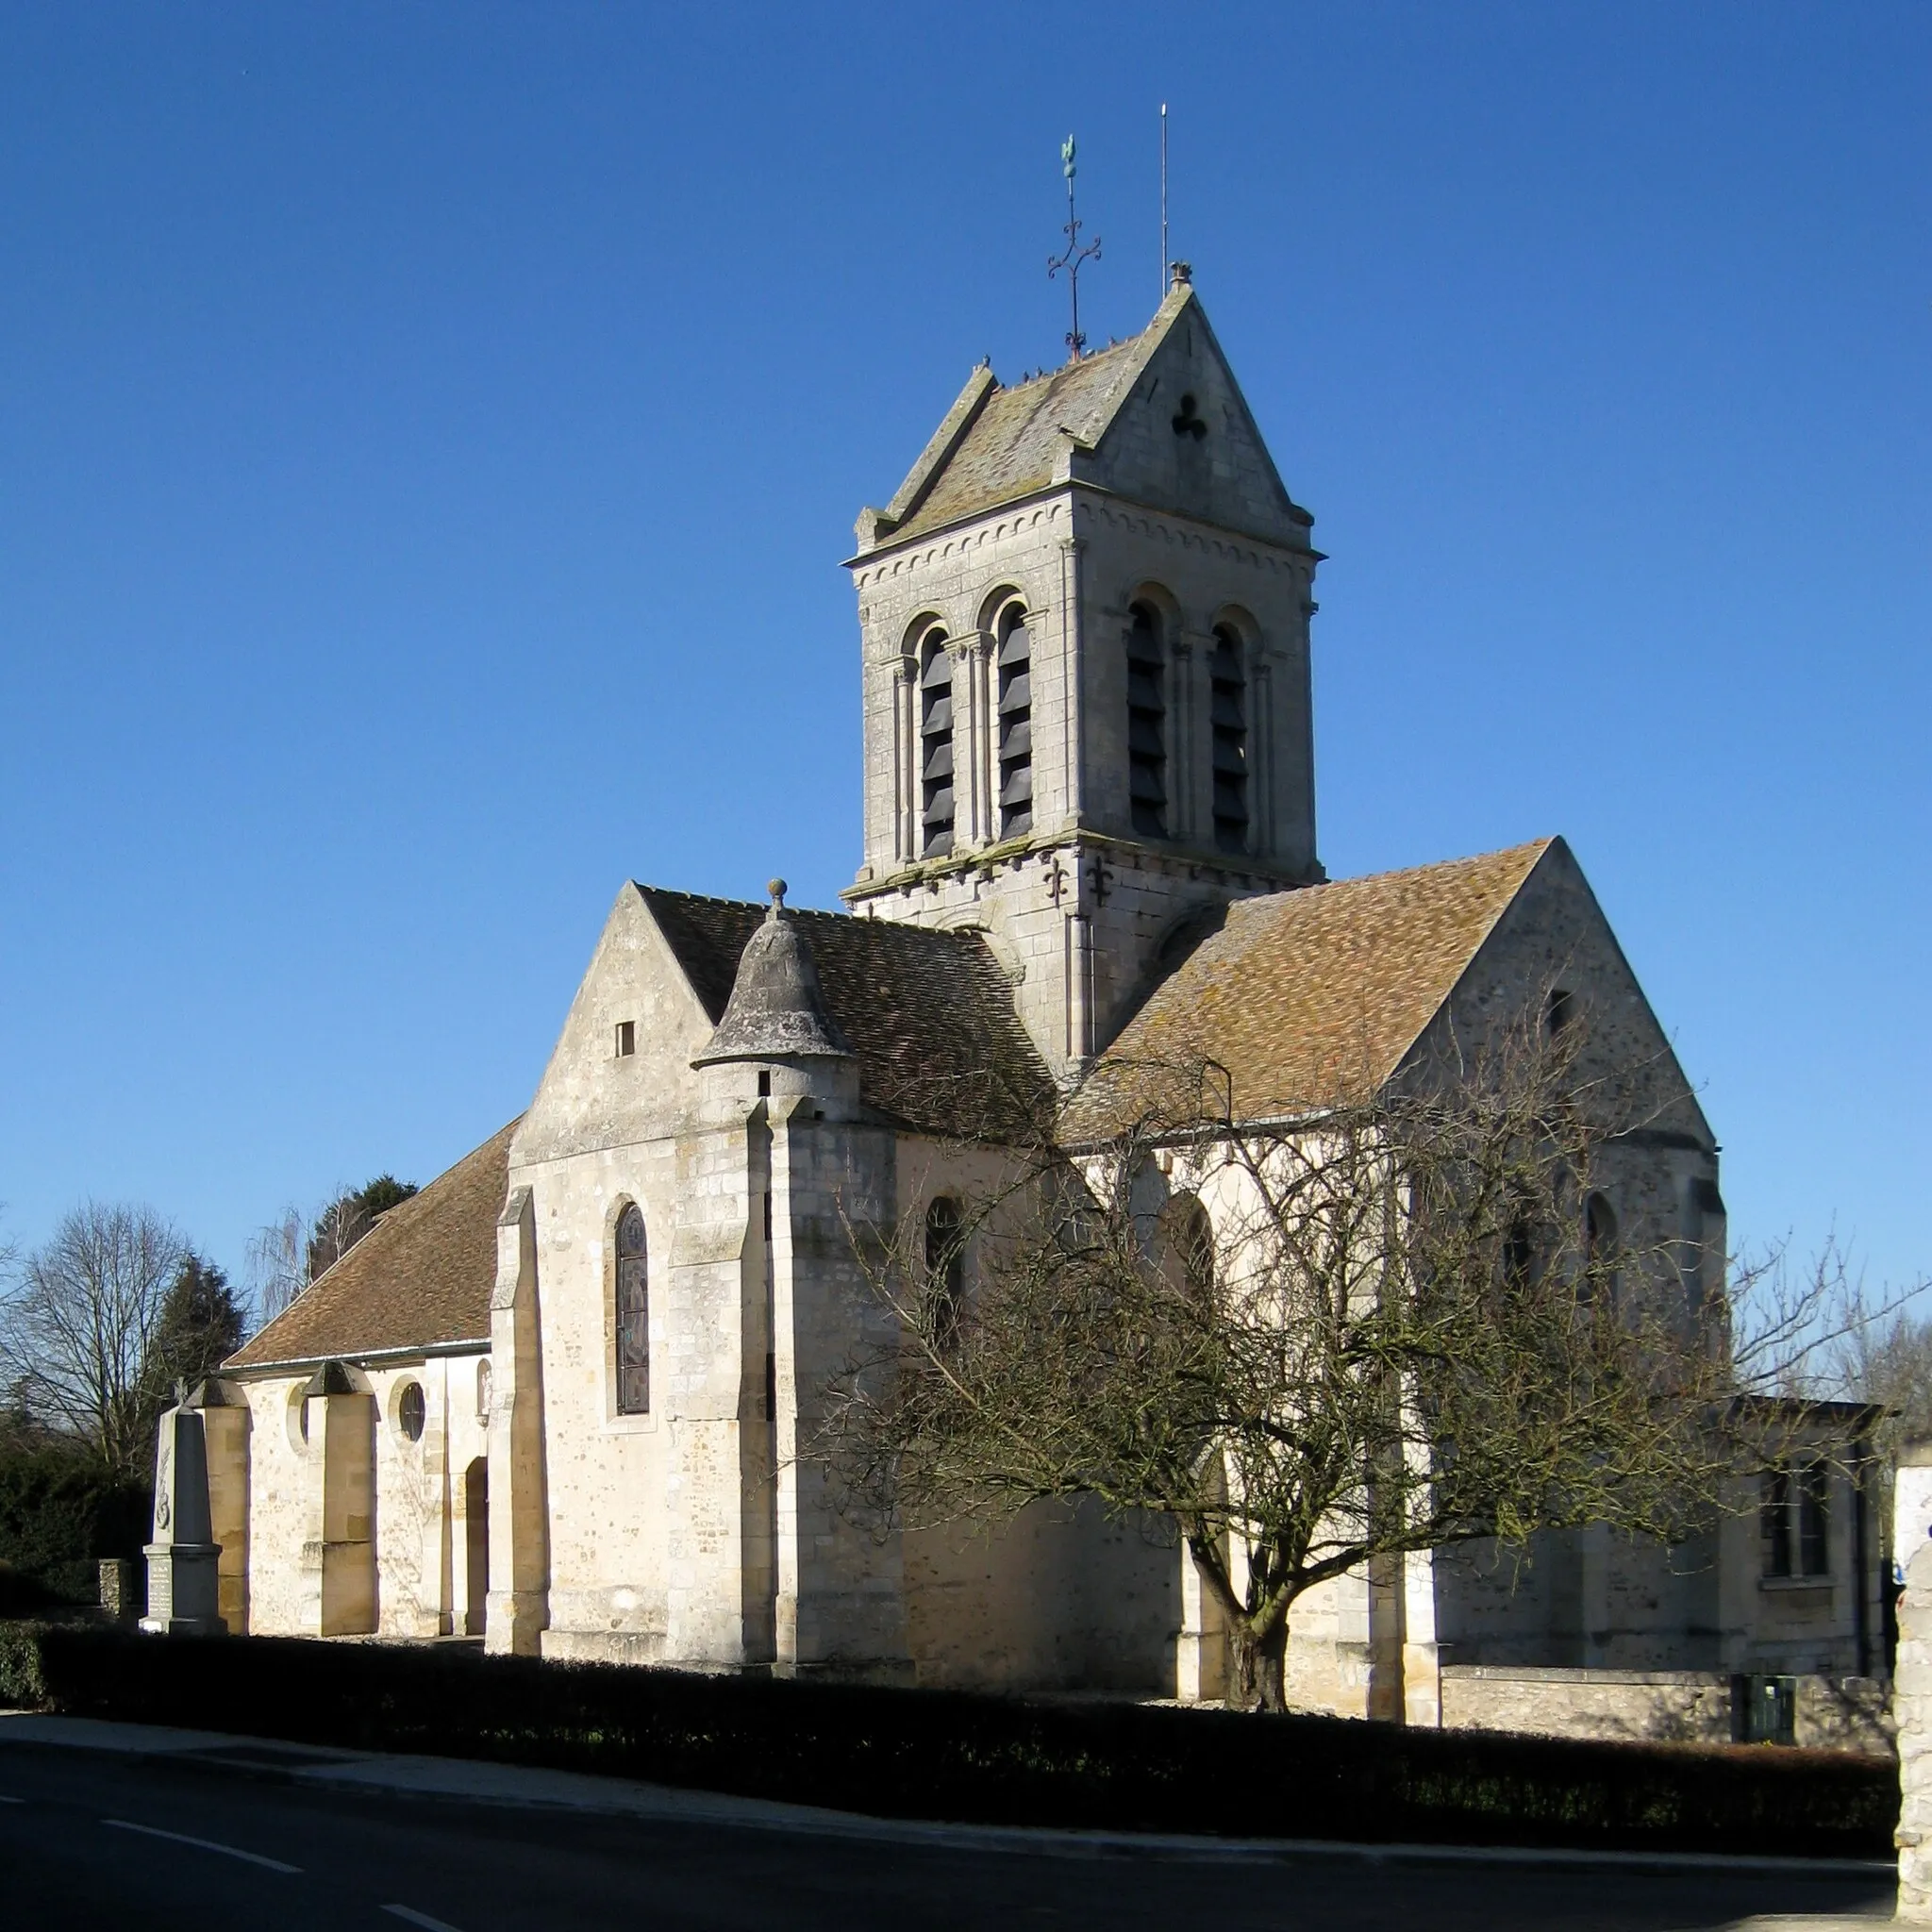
<point>1912,1690</point>
<point>409,1547</point>
<point>1680,1707</point>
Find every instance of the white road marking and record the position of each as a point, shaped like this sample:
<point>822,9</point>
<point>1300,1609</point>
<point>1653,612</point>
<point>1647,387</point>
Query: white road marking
<point>422,1919</point>
<point>4,1800</point>
<point>205,1845</point>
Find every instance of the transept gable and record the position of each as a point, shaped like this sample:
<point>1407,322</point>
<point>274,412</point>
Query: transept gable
<point>621,1068</point>
<point>1553,943</point>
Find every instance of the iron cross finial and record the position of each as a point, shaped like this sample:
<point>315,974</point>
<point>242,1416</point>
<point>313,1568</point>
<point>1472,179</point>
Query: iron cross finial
<point>1075,253</point>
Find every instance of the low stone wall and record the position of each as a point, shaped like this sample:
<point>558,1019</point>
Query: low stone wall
<point>1684,1707</point>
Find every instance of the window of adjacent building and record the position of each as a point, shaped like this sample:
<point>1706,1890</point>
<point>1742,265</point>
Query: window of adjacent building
<point>1015,703</point>
<point>1146,723</point>
<point>627,1038</point>
<point>633,1315</point>
<point>1228,679</point>
<point>935,745</point>
<point>1794,1520</point>
<point>1560,1012</point>
<point>945,1268</point>
<point>412,1411</point>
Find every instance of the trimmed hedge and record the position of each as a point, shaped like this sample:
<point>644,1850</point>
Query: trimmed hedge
<point>59,1515</point>
<point>926,1754</point>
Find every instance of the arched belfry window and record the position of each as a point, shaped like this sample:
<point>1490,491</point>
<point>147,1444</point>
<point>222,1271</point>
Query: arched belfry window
<point>1015,709</point>
<point>935,745</point>
<point>633,1315</point>
<point>945,1268</point>
<point>1146,723</point>
<point>1228,676</point>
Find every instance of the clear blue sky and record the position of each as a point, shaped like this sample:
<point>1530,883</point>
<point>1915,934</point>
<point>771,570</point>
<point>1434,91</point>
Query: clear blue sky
<point>429,435</point>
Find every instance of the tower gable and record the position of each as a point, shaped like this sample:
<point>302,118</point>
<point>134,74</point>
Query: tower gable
<point>1180,437</point>
<point>1159,419</point>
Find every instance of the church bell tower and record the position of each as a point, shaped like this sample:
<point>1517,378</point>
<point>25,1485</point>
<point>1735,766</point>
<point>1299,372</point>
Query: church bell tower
<point>1088,722</point>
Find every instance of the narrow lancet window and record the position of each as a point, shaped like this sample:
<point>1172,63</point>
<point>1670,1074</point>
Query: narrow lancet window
<point>1146,723</point>
<point>946,1268</point>
<point>633,1316</point>
<point>1015,723</point>
<point>935,745</point>
<point>1229,678</point>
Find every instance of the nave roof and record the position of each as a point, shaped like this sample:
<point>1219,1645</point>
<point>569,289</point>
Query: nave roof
<point>419,1278</point>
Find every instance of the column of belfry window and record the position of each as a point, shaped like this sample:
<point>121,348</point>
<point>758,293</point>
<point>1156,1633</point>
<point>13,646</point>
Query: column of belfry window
<point>974,649</point>
<point>905,760</point>
<point>1072,679</point>
<point>1261,746</point>
<point>989,681</point>
<point>1184,780</point>
<point>965,743</point>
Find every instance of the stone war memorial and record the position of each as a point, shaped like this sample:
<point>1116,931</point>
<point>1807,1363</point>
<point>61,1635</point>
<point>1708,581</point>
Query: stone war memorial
<point>558,1399</point>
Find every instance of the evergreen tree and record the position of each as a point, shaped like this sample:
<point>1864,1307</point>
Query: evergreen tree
<point>201,1324</point>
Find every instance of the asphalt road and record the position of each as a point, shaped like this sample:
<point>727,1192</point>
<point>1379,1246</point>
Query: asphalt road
<point>92,1840</point>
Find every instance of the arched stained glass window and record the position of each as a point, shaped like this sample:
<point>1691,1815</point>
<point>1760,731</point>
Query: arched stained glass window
<point>633,1316</point>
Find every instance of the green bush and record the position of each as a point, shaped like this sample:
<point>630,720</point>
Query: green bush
<point>21,1682</point>
<point>924,1754</point>
<point>59,1515</point>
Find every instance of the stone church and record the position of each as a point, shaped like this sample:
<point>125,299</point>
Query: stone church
<point>556,1399</point>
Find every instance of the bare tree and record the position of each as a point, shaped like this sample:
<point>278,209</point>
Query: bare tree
<point>277,1263</point>
<point>296,1249</point>
<point>1394,1322</point>
<point>78,1322</point>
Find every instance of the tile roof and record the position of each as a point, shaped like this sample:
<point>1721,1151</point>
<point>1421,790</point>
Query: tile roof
<point>1306,995</point>
<point>419,1277</point>
<point>929,1014</point>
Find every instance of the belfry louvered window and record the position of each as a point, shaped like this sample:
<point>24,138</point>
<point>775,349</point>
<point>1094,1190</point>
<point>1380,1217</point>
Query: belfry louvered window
<point>935,745</point>
<point>1146,723</point>
<point>1016,722</point>
<point>633,1315</point>
<point>1228,679</point>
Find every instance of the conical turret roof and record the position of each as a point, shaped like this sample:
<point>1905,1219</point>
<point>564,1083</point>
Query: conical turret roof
<point>776,1011</point>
